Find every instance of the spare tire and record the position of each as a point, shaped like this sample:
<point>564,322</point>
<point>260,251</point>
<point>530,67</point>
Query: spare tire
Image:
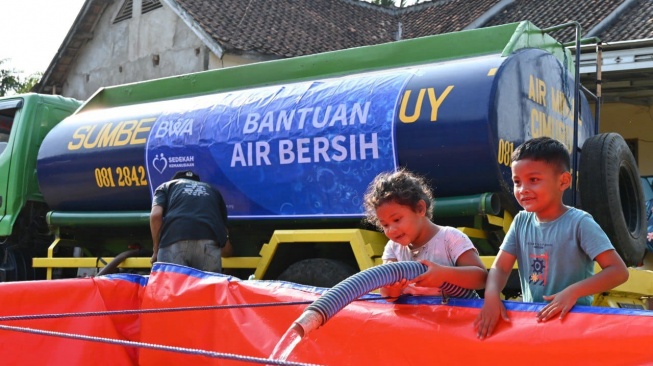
<point>611,191</point>
<point>320,272</point>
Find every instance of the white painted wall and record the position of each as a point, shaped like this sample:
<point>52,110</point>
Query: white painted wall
<point>124,52</point>
<point>632,122</point>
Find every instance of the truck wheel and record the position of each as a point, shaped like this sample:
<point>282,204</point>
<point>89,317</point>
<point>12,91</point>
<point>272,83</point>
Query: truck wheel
<point>611,191</point>
<point>319,272</point>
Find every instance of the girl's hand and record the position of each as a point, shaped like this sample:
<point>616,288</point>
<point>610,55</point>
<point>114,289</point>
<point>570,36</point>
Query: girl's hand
<point>394,290</point>
<point>412,289</point>
<point>430,278</point>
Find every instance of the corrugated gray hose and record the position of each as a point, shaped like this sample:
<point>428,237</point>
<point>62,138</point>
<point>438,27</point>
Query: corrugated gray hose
<point>363,282</point>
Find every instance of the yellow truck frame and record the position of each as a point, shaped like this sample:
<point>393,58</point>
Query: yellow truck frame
<point>367,247</point>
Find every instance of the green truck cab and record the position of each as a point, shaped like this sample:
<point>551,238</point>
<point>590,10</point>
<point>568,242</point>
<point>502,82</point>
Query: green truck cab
<point>24,121</point>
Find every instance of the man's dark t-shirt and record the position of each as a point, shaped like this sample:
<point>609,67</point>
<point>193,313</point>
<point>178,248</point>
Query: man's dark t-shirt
<point>191,211</point>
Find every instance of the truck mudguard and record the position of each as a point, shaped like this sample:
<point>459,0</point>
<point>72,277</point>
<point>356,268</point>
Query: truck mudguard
<point>310,148</point>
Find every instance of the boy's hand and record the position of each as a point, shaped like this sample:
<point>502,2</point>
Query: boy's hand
<point>488,318</point>
<point>430,278</point>
<point>560,303</point>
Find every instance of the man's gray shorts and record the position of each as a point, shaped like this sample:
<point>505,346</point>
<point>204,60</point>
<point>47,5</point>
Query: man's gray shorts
<point>201,254</point>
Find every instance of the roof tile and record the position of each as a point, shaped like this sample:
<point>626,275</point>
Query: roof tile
<point>636,23</point>
<point>290,27</point>
<point>313,26</point>
<point>588,13</point>
<point>439,17</point>
<point>301,27</point>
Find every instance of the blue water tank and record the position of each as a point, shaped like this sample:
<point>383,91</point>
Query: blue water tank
<point>310,148</point>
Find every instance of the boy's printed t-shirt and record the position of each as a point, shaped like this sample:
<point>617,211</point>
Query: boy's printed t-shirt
<point>553,255</point>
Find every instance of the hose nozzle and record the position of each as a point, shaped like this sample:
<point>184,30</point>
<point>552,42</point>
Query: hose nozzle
<point>307,322</point>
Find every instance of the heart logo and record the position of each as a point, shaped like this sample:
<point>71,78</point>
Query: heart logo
<point>160,163</point>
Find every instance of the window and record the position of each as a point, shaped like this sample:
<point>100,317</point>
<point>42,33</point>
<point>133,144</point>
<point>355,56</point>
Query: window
<point>149,5</point>
<point>8,111</point>
<point>5,126</point>
<point>125,11</point>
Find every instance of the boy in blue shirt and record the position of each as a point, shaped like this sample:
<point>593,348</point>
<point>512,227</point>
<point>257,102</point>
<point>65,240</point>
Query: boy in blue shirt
<point>555,245</point>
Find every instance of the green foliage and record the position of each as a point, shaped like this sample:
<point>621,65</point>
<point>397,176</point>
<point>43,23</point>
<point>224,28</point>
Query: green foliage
<point>11,82</point>
<point>29,83</point>
<point>9,79</point>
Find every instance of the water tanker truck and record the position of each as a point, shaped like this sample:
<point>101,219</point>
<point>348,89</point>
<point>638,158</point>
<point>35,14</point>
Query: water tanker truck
<point>292,145</point>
